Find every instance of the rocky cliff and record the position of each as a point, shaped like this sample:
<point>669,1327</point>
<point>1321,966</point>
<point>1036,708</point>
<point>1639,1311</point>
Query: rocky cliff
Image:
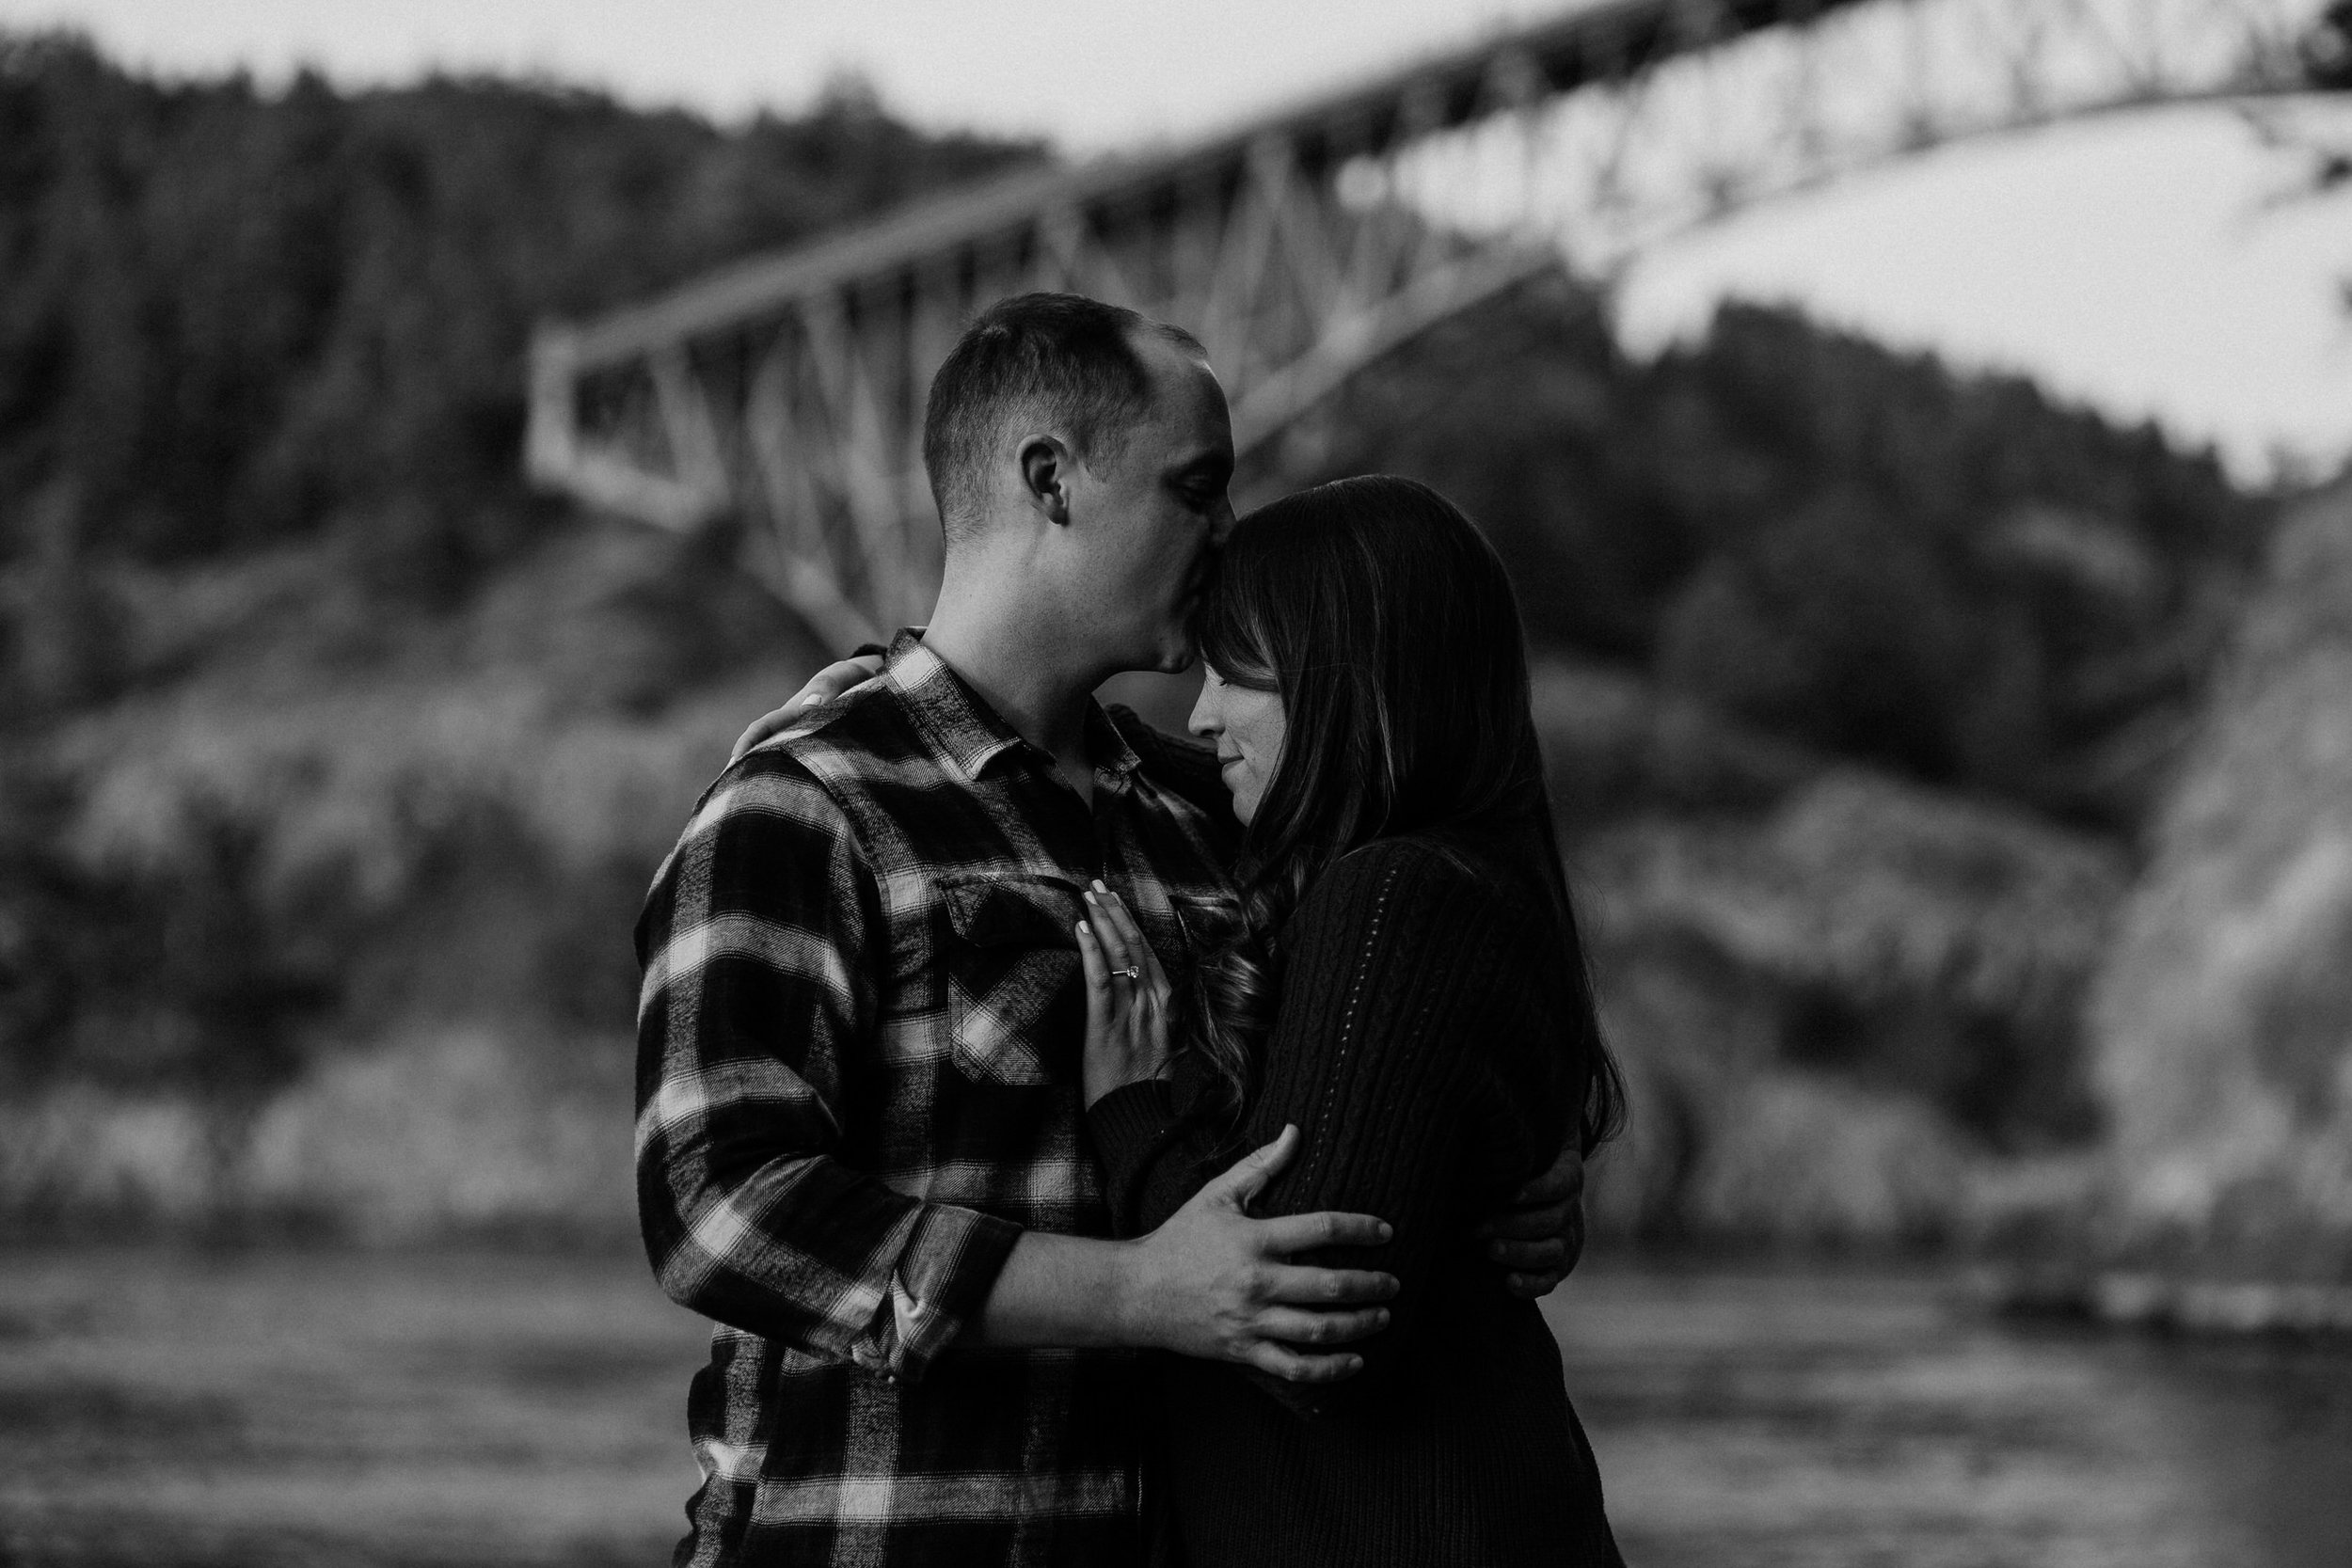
<point>2221,1019</point>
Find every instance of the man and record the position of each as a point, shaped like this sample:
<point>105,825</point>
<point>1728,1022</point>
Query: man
<point>859,1135</point>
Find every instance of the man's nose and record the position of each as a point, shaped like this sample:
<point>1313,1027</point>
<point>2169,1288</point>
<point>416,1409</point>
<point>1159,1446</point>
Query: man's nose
<point>1222,525</point>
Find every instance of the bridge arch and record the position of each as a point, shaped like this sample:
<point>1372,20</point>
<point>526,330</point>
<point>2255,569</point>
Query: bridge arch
<point>787,391</point>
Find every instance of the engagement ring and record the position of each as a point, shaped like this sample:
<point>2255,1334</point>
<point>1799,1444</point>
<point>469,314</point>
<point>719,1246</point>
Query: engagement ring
<point>1133,972</point>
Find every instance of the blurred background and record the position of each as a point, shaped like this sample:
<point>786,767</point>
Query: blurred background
<point>1933,514</point>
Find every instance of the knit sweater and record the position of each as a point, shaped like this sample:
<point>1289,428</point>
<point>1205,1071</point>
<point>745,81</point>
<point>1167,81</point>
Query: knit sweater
<point>1422,1046</point>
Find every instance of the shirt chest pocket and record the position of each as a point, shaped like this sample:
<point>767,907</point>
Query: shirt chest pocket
<point>1016,996</point>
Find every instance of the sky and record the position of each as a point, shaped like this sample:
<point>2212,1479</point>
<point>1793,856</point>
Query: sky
<point>2132,262</point>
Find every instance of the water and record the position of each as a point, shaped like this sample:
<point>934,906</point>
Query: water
<point>455,1410</point>
<point>1860,1418</point>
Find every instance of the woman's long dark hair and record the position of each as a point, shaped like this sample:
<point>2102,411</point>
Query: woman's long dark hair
<point>1385,622</point>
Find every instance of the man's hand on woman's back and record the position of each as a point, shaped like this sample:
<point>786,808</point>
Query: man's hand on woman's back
<point>1539,1237</point>
<point>1215,1283</point>
<point>1211,1282</point>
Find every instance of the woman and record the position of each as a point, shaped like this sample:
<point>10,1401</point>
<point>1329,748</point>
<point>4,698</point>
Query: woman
<point>1406,991</point>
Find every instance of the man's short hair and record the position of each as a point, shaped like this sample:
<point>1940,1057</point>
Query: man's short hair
<point>1058,359</point>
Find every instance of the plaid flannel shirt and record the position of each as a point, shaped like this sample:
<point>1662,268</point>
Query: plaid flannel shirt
<point>858,1047</point>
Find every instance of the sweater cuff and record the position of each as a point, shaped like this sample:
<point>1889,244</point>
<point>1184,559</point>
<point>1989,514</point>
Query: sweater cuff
<point>1129,1127</point>
<point>1131,1118</point>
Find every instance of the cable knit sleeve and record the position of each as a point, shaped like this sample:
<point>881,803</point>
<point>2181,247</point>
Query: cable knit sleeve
<point>1391,965</point>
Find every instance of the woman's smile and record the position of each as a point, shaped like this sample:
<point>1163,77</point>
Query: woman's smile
<point>1245,725</point>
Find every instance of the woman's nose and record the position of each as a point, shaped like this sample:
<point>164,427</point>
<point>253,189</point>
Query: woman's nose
<point>1203,721</point>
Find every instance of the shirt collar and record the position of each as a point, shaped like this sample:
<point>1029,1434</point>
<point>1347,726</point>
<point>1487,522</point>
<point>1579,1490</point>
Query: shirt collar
<point>1106,745</point>
<point>959,722</point>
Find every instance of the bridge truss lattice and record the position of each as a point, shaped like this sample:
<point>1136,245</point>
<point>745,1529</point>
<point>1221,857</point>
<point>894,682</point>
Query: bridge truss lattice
<point>787,392</point>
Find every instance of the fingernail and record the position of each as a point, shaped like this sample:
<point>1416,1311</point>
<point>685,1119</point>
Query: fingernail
<point>1387,1230</point>
<point>1090,895</point>
<point>1380,1317</point>
<point>1494,1250</point>
<point>1099,887</point>
<point>1081,930</point>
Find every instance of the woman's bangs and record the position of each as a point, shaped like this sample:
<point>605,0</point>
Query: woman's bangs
<point>1231,632</point>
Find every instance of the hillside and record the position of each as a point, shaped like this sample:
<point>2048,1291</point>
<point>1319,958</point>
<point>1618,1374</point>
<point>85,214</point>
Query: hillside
<point>333,761</point>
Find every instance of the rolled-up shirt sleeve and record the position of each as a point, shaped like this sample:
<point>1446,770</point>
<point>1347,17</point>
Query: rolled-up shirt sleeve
<point>756,947</point>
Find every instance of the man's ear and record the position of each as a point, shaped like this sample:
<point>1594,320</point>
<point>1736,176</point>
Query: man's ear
<point>1045,468</point>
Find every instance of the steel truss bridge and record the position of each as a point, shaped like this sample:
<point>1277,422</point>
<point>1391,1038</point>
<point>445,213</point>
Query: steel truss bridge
<point>784,395</point>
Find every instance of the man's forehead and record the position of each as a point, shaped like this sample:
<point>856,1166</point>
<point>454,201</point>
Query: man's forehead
<point>1189,408</point>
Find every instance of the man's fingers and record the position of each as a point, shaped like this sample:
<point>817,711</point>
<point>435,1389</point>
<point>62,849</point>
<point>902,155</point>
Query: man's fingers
<point>1291,1367</point>
<point>1528,1224</point>
<point>1248,1176</point>
<point>1533,1286</point>
<point>1562,1183</point>
<point>1295,1326</point>
<point>1529,1257</point>
<point>1298,1232</point>
<point>1299,1286</point>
